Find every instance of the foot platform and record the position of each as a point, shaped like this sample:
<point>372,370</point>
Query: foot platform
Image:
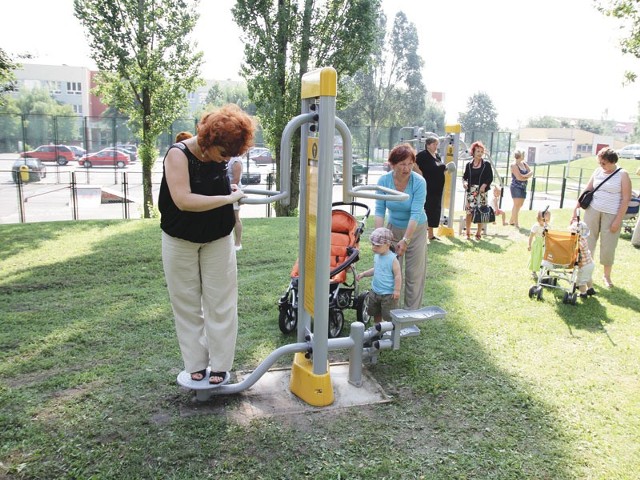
<point>201,387</point>
<point>404,322</point>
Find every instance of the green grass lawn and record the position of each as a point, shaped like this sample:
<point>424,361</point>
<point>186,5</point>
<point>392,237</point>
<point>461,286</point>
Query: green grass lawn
<point>505,387</point>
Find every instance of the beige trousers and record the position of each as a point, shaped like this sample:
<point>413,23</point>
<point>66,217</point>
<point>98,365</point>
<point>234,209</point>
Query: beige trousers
<point>414,265</point>
<point>203,288</point>
<point>599,223</point>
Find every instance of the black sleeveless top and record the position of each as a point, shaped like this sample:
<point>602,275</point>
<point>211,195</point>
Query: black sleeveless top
<point>205,178</point>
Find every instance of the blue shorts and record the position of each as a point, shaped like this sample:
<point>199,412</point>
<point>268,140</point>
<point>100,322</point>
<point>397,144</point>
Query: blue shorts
<point>518,191</point>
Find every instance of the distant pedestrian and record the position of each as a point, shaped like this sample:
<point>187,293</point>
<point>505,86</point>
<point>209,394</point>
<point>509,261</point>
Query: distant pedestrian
<point>432,168</point>
<point>520,175</point>
<point>476,180</point>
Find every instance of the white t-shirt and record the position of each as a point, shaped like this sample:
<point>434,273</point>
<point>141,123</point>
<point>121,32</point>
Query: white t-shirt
<point>230,164</point>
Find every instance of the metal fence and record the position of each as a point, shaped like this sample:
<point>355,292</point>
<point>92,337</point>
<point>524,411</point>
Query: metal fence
<point>70,192</point>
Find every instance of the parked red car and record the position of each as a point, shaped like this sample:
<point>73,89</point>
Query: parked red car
<point>61,154</point>
<point>107,156</point>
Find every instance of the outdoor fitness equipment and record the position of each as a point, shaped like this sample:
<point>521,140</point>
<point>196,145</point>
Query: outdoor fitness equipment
<point>310,379</point>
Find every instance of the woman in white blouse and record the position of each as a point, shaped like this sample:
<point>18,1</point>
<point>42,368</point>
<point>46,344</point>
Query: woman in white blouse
<point>607,209</point>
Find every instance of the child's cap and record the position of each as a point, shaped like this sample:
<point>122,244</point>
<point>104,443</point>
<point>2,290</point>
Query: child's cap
<point>381,236</point>
<point>581,229</point>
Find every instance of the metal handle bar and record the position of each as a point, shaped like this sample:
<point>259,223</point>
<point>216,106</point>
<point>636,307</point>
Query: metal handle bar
<point>389,194</point>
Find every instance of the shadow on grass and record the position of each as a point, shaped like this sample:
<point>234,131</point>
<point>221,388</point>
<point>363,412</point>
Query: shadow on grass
<point>88,381</point>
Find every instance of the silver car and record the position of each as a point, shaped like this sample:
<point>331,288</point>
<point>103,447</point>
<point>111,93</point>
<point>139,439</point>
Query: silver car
<point>630,151</point>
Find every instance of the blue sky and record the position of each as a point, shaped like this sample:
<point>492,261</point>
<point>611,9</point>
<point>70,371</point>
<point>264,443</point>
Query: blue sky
<point>533,58</point>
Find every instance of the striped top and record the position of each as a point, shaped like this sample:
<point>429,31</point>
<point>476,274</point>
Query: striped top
<point>585,254</point>
<point>608,197</point>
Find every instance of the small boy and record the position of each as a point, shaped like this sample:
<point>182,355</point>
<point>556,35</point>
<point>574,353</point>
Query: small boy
<point>585,261</point>
<point>387,277</point>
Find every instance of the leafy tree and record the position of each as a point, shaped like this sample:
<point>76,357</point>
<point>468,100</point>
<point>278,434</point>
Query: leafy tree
<point>222,93</point>
<point>590,126</point>
<point>146,64</point>
<point>628,12</point>
<point>544,122</point>
<point>480,116</point>
<point>214,95</point>
<point>286,38</point>
<point>433,117</point>
<point>45,119</point>
<point>10,125</point>
<point>389,90</point>
<point>7,79</point>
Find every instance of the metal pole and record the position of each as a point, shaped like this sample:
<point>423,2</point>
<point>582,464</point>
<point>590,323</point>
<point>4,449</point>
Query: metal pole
<point>20,198</point>
<point>74,196</point>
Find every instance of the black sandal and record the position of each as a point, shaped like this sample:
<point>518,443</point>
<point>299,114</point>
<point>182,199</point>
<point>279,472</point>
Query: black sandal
<point>202,373</point>
<point>222,375</point>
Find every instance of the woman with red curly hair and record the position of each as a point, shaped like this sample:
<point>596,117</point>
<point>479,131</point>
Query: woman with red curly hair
<point>196,203</point>
<point>476,180</point>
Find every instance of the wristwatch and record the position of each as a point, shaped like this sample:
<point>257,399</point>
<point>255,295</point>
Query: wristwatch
<point>406,240</point>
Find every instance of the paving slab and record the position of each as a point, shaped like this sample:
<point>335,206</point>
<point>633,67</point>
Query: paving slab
<point>270,396</point>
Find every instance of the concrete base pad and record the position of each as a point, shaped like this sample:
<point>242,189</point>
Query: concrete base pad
<point>271,396</point>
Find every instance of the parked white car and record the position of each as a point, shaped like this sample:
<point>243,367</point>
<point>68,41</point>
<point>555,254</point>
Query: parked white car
<point>630,151</point>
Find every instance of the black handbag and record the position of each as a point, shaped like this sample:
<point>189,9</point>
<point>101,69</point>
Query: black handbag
<point>586,197</point>
<point>483,214</point>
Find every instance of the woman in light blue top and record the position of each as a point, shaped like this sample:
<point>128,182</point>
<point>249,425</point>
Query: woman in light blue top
<point>407,220</point>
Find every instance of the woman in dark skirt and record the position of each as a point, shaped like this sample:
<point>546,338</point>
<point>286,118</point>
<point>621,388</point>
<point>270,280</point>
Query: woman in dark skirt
<point>432,169</point>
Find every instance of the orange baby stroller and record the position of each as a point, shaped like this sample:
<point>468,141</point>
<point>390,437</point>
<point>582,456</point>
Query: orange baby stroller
<point>559,265</point>
<point>343,287</point>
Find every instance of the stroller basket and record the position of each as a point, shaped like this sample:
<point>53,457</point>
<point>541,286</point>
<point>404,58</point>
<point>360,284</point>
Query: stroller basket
<point>560,248</point>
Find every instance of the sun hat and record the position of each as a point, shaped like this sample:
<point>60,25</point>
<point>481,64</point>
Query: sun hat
<point>381,236</point>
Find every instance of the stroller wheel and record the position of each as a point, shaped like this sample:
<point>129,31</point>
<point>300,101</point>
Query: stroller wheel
<point>532,291</point>
<point>336,322</point>
<point>539,293</point>
<point>288,318</point>
<point>566,298</point>
<point>362,314</point>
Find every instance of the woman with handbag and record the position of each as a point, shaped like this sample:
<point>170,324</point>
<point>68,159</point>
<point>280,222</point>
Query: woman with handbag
<point>476,180</point>
<point>610,188</point>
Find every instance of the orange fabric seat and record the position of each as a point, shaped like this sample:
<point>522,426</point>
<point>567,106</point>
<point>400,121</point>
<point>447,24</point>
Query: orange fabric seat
<point>343,235</point>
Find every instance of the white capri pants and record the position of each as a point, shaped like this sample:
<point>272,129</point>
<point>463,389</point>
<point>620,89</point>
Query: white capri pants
<point>203,288</point>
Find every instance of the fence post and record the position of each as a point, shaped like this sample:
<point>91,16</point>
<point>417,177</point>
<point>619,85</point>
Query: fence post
<point>20,198</point>
<point>269,185</point>
<point>533,192</point>
<point>125,195</point>
<point>564,186</point>
<point>74,196</point>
